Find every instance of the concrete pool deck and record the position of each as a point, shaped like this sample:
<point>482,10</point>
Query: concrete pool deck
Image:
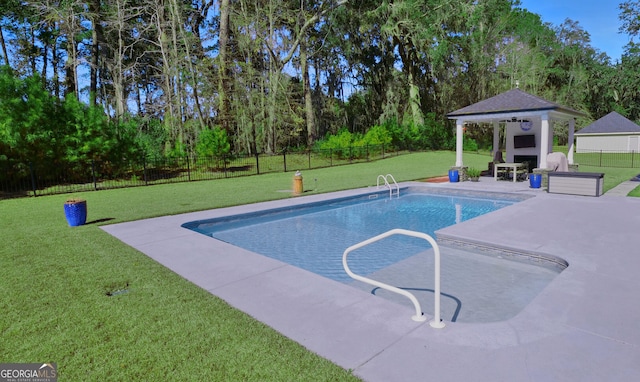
<point>584,326</point>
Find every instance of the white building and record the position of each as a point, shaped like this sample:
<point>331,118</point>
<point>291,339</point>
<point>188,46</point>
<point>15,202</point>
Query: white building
<point>611,133</point>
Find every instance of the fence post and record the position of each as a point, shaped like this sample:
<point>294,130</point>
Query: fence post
<point>284,159</point>
<point>224,164</point>
<point>330,157</point>
<point>33,179</point>
<point>632,155</point>
<point>367,151</point>
<point>93,174</point>
<point>310,158</point>
<point>383,151</point>
<point>600,158</point>
<point>257,164</point>
<point>188,168</point>
<point>144,170</point>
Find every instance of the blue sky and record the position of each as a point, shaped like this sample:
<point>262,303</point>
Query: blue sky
<point>598,17</point>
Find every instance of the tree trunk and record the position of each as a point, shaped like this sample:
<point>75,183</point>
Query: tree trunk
<point>55,64</point>
<point>4,47</point>
<point>308,99</point>
<point>118,65</point>
<point>45,62</point>
<point>71,81</point>
<point>33,57</point>
<point>224,86</point>
<point>415,103</point>
<point>96,37</point>
<point>168,81</point>
<point>192,76</point>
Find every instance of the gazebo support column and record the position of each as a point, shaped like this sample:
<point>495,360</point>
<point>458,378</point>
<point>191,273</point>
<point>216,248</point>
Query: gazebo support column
<point>572,128</point>
<point>459,137</point>
<point>544,140</point>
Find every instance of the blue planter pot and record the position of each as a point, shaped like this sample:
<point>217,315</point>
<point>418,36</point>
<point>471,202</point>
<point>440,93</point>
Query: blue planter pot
<point>76,212</point>
<point>454,176</point>
<point>535,180</point>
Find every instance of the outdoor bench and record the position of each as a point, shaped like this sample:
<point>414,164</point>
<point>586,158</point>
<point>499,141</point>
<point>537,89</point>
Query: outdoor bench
<point>576,183</point>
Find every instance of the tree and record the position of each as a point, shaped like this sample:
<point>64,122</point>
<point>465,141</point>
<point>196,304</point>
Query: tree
<point>630,17</point>
<point>124,27</point>
<point>213,143</point>
<point>280,73</point>
<point>9,13</point>
<point>27,113</point>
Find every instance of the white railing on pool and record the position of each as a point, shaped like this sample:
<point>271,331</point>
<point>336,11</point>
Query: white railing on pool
<point>419,316</point>
<point>386,183</point>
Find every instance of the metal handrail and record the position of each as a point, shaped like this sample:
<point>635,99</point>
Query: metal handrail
<point>419,316</point>
<point>386,182</point>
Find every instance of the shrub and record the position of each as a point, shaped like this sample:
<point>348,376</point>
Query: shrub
<point>431,135</point>
<point>213,143</point>
<point>473,172</point>
<point>377,135</point>
<point>338,144</point>
<point>469,144</point>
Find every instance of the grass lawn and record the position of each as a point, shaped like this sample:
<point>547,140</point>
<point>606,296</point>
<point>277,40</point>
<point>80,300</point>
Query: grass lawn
<point>612,176</point>
<point>55,282</point>
<point>635,192</point>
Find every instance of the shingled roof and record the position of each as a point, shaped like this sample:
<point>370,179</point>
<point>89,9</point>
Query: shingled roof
<point>514,100</point>
<point>612,123</point>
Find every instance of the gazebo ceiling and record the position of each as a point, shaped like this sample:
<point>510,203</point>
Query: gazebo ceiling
<point>510,104</point>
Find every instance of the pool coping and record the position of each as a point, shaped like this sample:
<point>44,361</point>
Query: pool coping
<point>582,326</point>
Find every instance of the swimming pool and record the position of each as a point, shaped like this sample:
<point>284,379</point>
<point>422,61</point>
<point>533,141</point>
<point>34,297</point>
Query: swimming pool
<point>475,287</point>
<point>314,236</point>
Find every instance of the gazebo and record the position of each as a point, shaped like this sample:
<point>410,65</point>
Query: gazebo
<point>528,122</point>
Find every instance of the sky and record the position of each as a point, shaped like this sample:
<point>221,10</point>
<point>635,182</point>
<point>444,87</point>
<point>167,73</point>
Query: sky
<point>598,17</point>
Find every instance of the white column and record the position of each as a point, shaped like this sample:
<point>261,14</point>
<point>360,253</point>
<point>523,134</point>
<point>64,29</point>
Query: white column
<point>572,128</point>
<point>459,136</point>
<point>496,137</point>
<point>544,140</point>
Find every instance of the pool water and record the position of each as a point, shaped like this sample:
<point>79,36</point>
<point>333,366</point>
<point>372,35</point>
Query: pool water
<point>314,237</point>
<point>475,287</point>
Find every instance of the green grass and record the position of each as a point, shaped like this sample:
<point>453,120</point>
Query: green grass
<point>612,176</point>
<point>635,192</point>
<point>55,282</point>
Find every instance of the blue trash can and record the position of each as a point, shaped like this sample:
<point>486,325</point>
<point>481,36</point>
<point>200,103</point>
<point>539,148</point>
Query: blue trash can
<point>535,180</point>
<point>453,176</point>
<point>76,212</point>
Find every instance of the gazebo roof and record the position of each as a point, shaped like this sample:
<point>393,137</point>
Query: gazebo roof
<point>612,123</point>
<point>512,101</point>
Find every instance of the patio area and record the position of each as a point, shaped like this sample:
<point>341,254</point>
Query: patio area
<point>582,327</point>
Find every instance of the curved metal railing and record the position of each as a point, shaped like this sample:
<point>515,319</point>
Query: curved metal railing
<point>419,316</point>
<point>386,183</point>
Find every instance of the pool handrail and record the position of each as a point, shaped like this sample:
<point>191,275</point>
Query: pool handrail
<point>386,182</point>
<point>419,316</point>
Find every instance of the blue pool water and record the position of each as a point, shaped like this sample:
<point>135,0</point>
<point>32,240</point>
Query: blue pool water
<point>314,237</point>
<point>476,287</point>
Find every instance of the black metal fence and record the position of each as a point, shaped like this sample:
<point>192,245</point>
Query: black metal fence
<point>36,178</point>
<point>603,158</point>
